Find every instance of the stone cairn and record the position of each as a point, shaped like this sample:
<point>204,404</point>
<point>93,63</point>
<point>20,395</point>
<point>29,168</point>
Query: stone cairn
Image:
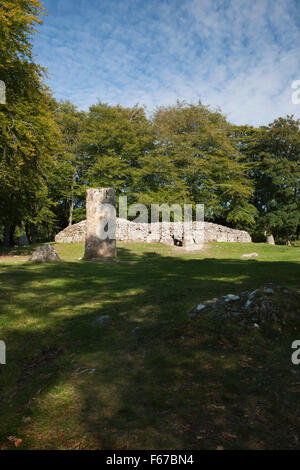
<point>100,241</point>
<point>161,232</point>
<point>99,205</point>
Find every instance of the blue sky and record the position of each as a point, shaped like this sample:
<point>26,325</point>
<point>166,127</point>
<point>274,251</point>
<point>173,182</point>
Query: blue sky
<point>239,55</point>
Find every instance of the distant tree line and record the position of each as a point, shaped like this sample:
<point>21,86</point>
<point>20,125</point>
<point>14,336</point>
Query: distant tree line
<point>51,152</point>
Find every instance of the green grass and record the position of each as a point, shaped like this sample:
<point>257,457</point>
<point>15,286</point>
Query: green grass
<point>173,383</point>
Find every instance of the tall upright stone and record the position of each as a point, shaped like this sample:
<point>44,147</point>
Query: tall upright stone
<point>270,239</point>
<point>100,223</point>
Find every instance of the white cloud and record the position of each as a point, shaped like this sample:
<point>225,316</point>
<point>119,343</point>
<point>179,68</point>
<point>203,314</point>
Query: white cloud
<point>239,55</point>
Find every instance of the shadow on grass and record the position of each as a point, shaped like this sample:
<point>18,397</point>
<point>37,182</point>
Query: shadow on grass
<point>149,378</point>
<point>26,250</point>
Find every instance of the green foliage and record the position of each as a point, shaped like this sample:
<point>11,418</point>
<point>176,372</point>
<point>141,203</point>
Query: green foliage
<point>50,153</point>
<point>114,142</point>
<point>273,154</point>
<point>27,130</point>
<point>195,161</point>
<point>65,177</point>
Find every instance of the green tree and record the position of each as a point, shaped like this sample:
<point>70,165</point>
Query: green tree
<point>113,143</point>
<point>194,160</point>
<point>27,129</point>
<point>273,152</point>
<point>65,186</point>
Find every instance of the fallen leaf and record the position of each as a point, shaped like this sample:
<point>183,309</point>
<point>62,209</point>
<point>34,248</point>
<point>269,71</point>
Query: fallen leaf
<point>18,442</point>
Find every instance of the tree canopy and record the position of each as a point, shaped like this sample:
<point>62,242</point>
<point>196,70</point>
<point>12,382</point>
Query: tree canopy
<point>27,126</point>
<point>51,152</point>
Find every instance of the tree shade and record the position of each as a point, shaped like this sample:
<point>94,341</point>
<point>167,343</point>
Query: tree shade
<point>51,152</point>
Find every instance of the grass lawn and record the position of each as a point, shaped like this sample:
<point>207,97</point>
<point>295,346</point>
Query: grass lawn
<point>171,383</point>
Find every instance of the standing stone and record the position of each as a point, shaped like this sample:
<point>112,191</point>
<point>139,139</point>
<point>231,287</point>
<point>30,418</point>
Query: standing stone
<point>23,240</point>
<point>100,223</point>
<point>270,240</point>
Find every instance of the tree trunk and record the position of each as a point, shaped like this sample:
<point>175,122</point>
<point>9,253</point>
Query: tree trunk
<point>27,231</point>
<point>72,201</point>
<point>71,210</point>
<point>11,235</point>
<point>7,235</point>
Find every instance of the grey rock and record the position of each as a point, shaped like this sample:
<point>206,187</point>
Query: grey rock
<point>161,232</point>
<point>270,240</point>
<point>233,307</point>
<point>100,321</point>
<point>250,255</point>
<point>252,294</point>
<point>225,315</point>
<point>136,329</point>
<point>230,297</point>
<point>90,371</point>
<point>44,253</point>
<point>23,240</point>
<point>211,301</point>
<point>192,314</point>
<point>72,234</point>
<point>247,304</point>
<point>200,307</point>
<point>218,305</point>
<point>268,290</point>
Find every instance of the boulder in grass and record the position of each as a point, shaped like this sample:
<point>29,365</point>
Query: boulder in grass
<point>250,255</point>
<point>101,321</point>
<point>44,253</point>
<point>273,306</point>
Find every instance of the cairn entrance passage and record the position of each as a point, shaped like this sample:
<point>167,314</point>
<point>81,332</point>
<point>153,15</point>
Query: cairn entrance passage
<point>100,239</point>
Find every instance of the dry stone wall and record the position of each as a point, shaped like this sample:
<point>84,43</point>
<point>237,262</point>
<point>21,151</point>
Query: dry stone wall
<point>167,233</point>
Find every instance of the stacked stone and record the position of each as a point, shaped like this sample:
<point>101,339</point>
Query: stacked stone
<point>154,234</point>
<point>137,232</point>
<point>164,232</point>
<point>73,234</point>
